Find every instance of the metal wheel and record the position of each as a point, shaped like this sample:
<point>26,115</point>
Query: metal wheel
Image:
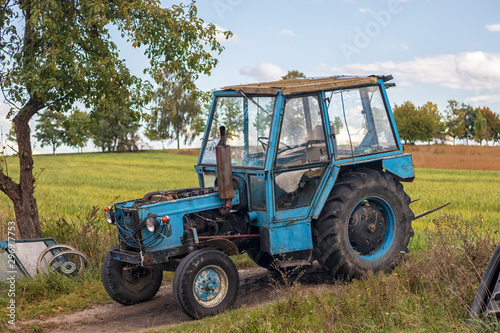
<point>66,262</point>
<point>210,286</point>
<point>372,228</point>
<point>205,283</point>
<point>61,258</point>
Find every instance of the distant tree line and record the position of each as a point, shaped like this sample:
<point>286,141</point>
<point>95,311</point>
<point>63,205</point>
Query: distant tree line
<point>178,115</point>
<point>113,130</point>
<point>458,121</point>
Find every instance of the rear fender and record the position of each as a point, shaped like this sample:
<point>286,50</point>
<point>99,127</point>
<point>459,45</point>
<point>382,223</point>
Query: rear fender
<point>401,167</point>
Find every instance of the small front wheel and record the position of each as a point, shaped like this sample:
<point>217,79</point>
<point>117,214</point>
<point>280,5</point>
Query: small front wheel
<point>127,284</point>
<point>206,283</point>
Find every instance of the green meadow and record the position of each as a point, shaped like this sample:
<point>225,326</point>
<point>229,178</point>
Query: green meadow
<point>430,291</point>
<point>68,186</point>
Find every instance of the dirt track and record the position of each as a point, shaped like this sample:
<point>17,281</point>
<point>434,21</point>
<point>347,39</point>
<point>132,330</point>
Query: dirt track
<point>162,311</point>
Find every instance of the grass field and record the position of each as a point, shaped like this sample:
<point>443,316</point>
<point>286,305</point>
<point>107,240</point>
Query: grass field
<point>70,185</point>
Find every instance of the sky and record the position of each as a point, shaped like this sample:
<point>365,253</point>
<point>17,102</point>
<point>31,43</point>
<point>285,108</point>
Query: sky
<point>436,50</point>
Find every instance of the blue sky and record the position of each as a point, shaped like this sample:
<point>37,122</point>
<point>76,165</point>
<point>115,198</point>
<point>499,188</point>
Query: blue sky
<point>436,49</point>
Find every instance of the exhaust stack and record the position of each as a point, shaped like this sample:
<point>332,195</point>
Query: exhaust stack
<point>224,172</point>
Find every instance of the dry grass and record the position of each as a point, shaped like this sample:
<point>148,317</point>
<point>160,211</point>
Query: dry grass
<point>431,291</point>
<point>455,157</point>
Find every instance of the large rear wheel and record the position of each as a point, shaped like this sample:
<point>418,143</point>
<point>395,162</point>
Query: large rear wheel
<point>365,225</point>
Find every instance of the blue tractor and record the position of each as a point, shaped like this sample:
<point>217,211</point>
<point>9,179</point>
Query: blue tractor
<point>302,169</point>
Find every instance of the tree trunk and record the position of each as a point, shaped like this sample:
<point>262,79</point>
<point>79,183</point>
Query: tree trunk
<point>22,194</point>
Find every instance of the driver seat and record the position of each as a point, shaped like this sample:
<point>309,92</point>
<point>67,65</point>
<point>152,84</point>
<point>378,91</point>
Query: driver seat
<point>316,146</point>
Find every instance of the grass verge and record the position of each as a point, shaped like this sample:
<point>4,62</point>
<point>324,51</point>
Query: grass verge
<point>431,290</point>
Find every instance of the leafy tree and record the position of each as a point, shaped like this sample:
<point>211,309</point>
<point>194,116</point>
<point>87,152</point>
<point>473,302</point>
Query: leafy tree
<point>54,53</point>
<point>492,123</point>
<point>430,122</point>
<point>115,129</point>
<point>176,112</point>
<point>11,138</point>
<point>455,120</point>
<point>338,125</point>
<point>293,74</point>
<point>50,129</point>
<point>480,127</point>
<point>263,120</point>
<point>418,123</point>
<point>228,114</point>
<point>469,122</point>
<point>405,117</point>
<point>77,129</point>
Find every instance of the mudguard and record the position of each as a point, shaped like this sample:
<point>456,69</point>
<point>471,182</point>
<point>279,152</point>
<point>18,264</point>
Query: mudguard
<point>487,298</point>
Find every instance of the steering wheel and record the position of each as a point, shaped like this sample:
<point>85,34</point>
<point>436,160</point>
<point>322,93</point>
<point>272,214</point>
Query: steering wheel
<point>261,139</point>
<point>265,145</point>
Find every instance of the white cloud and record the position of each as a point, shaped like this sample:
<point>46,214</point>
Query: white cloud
<point>493,27</point>
<point>286,32</point>
<point>477,71</point>
<point>364,10</point>
<point>222,39</point>
<point>264,71</point>
<point>483,99</point>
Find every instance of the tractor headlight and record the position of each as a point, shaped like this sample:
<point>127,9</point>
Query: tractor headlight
<point>152,224</point>
<point>108,215</point>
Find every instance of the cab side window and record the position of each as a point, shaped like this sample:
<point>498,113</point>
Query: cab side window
<point>302,137</point>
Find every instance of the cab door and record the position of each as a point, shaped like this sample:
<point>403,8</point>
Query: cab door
<point>301,157</point>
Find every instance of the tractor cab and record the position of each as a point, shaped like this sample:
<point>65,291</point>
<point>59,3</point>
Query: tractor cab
<point>288,138</point>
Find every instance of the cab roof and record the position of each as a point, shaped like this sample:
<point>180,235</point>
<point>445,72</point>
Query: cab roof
<point>305,85</point>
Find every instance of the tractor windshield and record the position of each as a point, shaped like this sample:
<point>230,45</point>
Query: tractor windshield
<point>248,121</point>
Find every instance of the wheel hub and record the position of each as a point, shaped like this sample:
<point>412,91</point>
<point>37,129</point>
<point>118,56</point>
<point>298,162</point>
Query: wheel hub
<point>136,278</point>
<point>68,267</point>
<point>210,286</point>
<point>367,227</point>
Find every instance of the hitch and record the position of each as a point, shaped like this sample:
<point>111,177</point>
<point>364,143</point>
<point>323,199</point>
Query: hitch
<point>429,211</point>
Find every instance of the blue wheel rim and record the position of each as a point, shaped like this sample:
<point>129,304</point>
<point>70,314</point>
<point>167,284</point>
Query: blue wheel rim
<point>387,230</point>
<point>210,286</point>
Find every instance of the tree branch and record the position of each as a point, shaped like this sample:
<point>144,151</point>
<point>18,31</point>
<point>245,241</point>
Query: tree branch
<point>9,187</point>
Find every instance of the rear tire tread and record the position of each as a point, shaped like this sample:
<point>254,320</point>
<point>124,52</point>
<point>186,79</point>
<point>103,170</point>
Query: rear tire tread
<point>330,231</point>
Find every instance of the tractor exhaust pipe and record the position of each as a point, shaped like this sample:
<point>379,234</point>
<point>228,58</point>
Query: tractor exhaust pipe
<point>224,172</point>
